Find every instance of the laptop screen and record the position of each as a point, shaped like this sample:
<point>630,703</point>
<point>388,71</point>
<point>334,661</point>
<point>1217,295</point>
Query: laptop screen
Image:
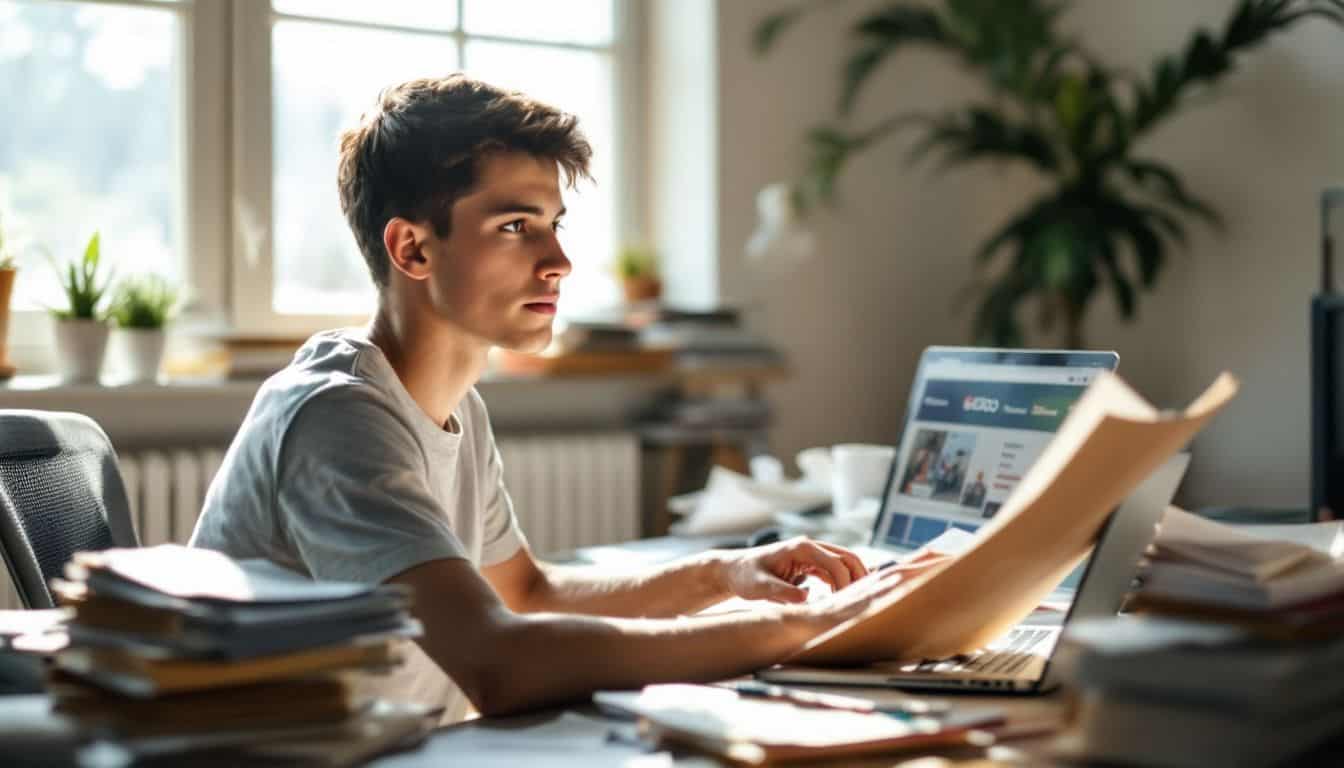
<point>977,420</point>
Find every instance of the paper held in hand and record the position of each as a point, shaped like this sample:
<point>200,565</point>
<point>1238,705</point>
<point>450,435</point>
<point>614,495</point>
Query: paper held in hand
<point>1108,444</point>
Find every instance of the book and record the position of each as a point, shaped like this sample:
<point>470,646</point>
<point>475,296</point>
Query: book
<point>757,731</point>
<point>134,674</point>
<point>101,620</point>
<point>1258,553</point>
<point>1111,440</point>
<point>1295,571</point>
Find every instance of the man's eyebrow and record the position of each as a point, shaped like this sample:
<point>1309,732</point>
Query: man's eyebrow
<point>514,206</point>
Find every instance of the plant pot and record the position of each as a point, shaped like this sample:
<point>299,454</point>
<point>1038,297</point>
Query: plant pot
<point>143,352</point>
<point>641,288</point>
<point>80,344</point>
<point>6,291</point>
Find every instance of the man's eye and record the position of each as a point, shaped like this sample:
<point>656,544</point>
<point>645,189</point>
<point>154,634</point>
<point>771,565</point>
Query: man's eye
<point>558,225</point>
<point>515,226</point>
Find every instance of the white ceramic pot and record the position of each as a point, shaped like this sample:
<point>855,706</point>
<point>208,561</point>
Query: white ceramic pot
<point>80,345</point>
<point>143,352</point>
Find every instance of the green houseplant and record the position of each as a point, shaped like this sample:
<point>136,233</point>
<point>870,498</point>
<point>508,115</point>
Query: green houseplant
<point>8,271</point>
<point>81,333</point>
<point>1109,212</point>
<point>637,268</point>
<point>141,308</point>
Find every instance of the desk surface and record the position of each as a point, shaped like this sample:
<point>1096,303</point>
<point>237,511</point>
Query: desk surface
<point>581,736</point>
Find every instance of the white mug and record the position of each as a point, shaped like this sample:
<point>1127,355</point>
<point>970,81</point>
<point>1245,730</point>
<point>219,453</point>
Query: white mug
<point>858,471</point>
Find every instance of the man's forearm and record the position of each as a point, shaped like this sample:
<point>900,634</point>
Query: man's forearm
<point>554,658</point>
<point>681,587</point>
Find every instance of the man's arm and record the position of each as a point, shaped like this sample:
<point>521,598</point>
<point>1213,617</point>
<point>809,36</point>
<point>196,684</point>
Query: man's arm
<point>685,586</point>
<point>506,662</point>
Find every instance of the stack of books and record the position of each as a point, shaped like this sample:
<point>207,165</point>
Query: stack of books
<point>173,648</point>
<point>1228,655</point>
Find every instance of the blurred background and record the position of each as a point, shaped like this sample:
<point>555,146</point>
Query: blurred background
<point>198,140</point>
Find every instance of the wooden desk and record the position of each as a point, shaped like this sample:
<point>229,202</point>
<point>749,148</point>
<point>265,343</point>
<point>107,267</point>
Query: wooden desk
<point>581,736</point>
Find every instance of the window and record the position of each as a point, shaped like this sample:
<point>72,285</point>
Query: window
<point>327,62</point>
<point>91,138</point>
<point>200,139</point>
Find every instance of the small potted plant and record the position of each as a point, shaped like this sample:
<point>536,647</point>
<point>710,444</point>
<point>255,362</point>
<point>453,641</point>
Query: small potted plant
<point>7,273</point>
<point>637,267</point>
<point>140,308</point>
<point>81,334</point>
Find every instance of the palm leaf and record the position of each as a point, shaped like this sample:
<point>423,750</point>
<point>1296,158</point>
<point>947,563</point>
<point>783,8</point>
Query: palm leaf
<point>978,132</point>
<point>881,34</point>
<point>765,34</point>
<point>1121,286</point>
<point>1163,181</point>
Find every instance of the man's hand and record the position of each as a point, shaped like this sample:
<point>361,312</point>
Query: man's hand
<point>775,571</point>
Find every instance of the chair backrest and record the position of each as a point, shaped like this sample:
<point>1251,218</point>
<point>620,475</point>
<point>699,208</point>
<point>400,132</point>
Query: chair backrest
<point>60,492</point>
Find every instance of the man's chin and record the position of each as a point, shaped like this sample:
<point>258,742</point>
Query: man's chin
<point>531,344</point>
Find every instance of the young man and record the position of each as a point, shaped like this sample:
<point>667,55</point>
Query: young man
<point>370,458</point>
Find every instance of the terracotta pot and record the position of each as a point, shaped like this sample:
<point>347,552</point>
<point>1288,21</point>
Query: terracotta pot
<point>641,288</point>
<point>6,290</point>
<point>81,344</point>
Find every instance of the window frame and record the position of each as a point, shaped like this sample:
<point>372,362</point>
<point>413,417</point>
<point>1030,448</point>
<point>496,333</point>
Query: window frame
<point>250,266</point>
<point>202,151</point>
<point>226,175</point>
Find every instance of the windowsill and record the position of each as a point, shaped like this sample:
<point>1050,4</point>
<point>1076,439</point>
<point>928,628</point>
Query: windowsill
<point>208,411</point>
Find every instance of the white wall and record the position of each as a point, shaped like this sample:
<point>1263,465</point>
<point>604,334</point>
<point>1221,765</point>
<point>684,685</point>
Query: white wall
<point>894,256</point>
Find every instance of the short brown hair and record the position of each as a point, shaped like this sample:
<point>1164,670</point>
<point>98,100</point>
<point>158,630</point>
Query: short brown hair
<point>419,150</point>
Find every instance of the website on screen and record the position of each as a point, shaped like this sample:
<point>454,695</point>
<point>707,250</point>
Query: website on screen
<point>975,432</point>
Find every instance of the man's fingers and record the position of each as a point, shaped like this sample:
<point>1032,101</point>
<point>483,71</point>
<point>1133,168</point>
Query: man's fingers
<point>857,569</point>
<point>781,591</point>
<point>828,567</point>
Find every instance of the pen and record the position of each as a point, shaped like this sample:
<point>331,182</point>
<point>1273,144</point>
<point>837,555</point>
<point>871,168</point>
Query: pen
<point>756,688</point>
<point>908,707</point>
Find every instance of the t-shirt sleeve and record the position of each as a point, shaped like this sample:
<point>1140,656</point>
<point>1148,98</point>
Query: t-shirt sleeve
<point>352,492</point>
<point>503,536</point>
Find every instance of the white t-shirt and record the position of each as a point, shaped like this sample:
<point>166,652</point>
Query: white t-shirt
<point>337,473</point>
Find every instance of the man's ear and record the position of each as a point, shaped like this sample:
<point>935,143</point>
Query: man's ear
<point>405,241</point>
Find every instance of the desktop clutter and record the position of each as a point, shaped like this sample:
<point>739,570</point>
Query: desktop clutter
<point>836,498</point>
<point>1229,652</point>
<point>171,654</point>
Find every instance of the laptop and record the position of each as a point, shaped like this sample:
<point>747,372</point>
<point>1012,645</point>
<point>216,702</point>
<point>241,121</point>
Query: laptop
<point>976,421</point>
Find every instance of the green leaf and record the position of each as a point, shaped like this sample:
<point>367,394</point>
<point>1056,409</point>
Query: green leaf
<point>1121,287</point>
<point>771,27</point>
<point>1163,181</point>
<point>882,33</point>
<point>91,252</point>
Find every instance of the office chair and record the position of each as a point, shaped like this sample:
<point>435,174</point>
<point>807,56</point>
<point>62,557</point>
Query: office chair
<point>60,492</point>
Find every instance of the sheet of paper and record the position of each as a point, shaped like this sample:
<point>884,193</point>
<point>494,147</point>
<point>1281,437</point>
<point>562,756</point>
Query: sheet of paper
<point>1244,550</point>
<point>1111,440</point>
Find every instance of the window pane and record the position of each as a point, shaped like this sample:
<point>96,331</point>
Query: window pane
<point>421,14</point>
<point>92,139</point>
<point>321,88</point>
<point>579,82</point>
<point>585,22</point>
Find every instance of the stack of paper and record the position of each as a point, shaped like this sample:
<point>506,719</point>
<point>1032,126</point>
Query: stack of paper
<point>755,731</point>
<point>1174,692</point>
<point>170,642</point>
<point>1281,581</point>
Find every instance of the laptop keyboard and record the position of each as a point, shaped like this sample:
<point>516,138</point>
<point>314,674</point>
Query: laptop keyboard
<point>1017,650</point>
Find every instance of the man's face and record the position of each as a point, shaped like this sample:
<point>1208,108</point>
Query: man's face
<point>497,275</point>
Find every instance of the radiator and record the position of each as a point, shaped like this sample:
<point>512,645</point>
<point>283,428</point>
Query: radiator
<point>568,490</point>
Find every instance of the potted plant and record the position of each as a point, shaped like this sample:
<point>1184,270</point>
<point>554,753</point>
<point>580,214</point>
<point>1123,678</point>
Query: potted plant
<point>1108,211</point>
<point>81,334</point>
<point>140,308</point>
<point>7,274</point>
<point>637,267</point>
